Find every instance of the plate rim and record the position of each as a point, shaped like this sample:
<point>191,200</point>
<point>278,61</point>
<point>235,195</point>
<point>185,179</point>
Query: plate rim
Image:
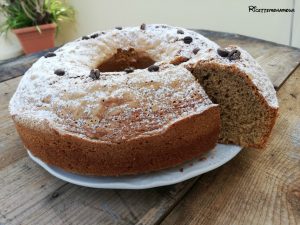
<point>61,174</point>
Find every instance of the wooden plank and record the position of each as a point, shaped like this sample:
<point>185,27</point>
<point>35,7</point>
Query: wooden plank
<point>29,195</point>
<point>256,187</point>
<point>18,66</point>
<point>10,143</point>
<point>62,203</point>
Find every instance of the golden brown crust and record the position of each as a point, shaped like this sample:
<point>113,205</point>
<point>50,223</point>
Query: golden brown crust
<point>182,141</point>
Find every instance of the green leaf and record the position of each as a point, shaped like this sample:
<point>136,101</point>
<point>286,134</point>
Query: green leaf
<point>26,13</point>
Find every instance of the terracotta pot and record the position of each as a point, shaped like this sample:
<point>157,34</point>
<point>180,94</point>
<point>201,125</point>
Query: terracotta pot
<point>33,41</point>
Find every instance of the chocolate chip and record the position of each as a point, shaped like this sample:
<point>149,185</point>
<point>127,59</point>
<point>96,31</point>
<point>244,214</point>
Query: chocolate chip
<point>153,68</point>
<point>164,26</point>
<point>49,54</point>
<point>94,35</point>
<point>129,70</point>
<point>180,32</point>
<point>94,74</point>
<point>196,50</point>
<point>85,38</point>
<point>234,54</point>
<point>222,52</point>
<point>143,26</point>
<point>187,40</point>
<point>59,72</point>
<point>119,28</point>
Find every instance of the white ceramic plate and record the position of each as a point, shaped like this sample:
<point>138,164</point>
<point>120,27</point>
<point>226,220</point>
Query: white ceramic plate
<point>214,159</point>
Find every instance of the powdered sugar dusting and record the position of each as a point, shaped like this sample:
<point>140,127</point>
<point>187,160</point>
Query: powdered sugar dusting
<point>121,106</point>
<point>117,106</point>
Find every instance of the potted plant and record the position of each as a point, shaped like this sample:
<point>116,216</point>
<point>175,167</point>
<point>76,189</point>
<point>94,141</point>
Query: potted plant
<point>34,22</point>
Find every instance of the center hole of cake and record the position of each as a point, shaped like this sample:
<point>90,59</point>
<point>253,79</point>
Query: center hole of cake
<point>126,58</point>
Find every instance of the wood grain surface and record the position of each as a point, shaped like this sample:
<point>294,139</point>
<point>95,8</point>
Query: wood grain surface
<point>18,66</point>
<point>257,187</point>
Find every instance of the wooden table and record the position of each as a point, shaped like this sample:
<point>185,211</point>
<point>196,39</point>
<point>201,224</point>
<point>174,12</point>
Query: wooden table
<point>256,187</point>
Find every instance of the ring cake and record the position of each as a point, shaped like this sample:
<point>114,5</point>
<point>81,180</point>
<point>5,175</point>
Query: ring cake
<point>140,99</point>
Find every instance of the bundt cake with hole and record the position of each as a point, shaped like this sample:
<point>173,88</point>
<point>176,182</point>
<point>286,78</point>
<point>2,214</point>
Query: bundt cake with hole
<point>139,99</point>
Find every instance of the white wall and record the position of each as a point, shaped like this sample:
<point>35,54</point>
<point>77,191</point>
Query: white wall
<point>9,45</point>
<point>229,16</point>
<point>296,25</point>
